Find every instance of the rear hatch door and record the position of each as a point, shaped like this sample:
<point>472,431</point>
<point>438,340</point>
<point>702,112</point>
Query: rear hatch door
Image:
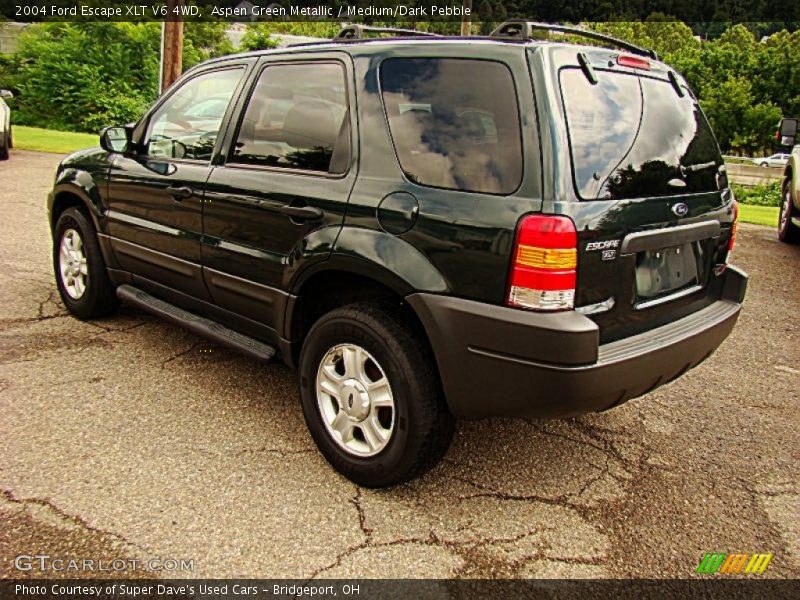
<point>653,210</point>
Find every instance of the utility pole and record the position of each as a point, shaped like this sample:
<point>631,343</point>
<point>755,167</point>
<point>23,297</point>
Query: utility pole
<point>172,45</point>
<point>466,21</point>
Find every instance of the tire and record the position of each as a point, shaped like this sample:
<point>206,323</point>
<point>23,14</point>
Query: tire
<point>95,296</point>
<point>420,427</point>
<point>763,165</point>
<point>788,232</point>
<point>5,144</point>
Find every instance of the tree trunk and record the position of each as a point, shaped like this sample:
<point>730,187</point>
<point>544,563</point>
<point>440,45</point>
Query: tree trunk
<point>466,21</point>
<point>172,57</point>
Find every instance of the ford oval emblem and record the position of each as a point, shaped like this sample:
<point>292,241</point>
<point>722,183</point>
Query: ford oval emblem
<point>680,209</point>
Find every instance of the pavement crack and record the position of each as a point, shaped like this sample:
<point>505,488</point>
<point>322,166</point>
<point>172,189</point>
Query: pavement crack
<point>596,441</point>
<point>362,516</point>
<point>51,299</point>
<point>75,520</point>
<point>177,355</point>
<point>277,451</point>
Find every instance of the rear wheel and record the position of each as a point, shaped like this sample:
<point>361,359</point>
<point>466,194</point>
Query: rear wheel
<point>371,396</point>
<point>787,231</point>
<point>80,272</point>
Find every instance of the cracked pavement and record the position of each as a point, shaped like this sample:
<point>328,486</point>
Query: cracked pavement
<point>130,438</point>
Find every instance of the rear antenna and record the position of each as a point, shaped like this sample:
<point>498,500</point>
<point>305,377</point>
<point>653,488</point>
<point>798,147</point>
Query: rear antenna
<point>587,69</point>
<point>673,79</point>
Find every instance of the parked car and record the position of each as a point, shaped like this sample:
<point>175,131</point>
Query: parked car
<point>437,229</point>
<point>789,217</point>
<point>776,160</point>
<point>6,138</point>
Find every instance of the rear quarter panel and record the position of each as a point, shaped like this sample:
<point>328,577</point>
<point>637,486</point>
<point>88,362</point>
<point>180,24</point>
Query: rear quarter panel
<point>467,237</point>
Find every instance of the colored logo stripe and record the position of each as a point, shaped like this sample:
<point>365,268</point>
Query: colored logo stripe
<point>710,563</point>
<point>758,563</point>
<point>732,564</point>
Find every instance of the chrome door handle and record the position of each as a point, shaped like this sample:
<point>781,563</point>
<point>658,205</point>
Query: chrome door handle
<point>180,192</point>
<point>303,213</point>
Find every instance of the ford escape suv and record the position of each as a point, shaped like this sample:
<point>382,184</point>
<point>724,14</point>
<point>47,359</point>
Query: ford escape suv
<point>426,228</point>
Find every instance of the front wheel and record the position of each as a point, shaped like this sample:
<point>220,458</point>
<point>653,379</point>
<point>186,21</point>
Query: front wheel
<point>80,271</point>
<point>788,232</point>
<point>5,144</point>
<point>371,395</point>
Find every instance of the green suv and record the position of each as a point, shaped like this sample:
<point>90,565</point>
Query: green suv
<point>426,228</point>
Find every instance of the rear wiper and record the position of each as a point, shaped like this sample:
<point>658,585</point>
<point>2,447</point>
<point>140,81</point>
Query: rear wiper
<point>698,167</point>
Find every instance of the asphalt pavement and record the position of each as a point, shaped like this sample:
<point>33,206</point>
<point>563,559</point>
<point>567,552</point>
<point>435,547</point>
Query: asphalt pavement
<point>128,438</point>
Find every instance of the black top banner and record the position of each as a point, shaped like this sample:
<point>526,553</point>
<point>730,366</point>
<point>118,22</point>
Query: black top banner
<point>388,11</point>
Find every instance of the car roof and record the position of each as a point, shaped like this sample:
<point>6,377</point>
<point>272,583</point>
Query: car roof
<point>358,46</point>
<point>353,46</point>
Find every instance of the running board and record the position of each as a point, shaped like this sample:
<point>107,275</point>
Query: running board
<point>201,326</point>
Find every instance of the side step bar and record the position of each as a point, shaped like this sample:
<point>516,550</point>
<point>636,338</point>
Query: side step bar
<point>204,327</point>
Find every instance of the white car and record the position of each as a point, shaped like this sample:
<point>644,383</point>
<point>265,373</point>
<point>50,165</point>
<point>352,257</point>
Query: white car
<point>776,160</point>
<point>5,124</point>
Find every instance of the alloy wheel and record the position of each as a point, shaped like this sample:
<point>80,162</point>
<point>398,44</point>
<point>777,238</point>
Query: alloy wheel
<point>72,264</point>
<point>355,400</point>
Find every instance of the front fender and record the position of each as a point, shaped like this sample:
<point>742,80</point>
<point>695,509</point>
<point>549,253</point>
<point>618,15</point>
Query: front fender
<point>80,184</point>
<point>83,174</point>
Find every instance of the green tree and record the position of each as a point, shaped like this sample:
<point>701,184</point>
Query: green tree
<point>485,14</point>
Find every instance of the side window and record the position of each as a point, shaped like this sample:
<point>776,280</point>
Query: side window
<point>454,122</point>
<point>187,124</point>
<point>297,118</point>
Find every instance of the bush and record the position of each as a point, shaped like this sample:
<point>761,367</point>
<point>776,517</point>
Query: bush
<point>82,76</point>
<point>759,195</point>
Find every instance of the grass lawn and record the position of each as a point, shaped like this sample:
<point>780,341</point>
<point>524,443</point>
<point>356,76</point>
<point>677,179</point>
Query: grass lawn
<point>760,215</point>
<point>46,140</point>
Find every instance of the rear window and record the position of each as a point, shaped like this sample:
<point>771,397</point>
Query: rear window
<point>454,123</point>
<point>632,137</point>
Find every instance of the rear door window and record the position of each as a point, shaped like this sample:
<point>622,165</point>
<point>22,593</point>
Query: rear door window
<point>634,137</point>
<point>454,122</point>
<point>297,118</point>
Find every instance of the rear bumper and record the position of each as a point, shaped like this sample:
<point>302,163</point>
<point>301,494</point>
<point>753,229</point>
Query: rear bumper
<point>501,362</point>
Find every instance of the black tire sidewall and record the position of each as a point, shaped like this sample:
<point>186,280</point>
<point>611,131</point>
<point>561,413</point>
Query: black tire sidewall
<point>91,303</point>
<point>383,468</point>
<point>789,233</point>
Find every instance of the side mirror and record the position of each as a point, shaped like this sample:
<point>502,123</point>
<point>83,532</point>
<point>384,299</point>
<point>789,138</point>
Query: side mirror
<point>787,135</point>
<point>6,94</point>
<point>115,139</point>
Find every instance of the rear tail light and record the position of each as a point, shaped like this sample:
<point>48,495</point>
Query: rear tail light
<point>624,60</point>
<point>732,241</point>
<point>544,262</point>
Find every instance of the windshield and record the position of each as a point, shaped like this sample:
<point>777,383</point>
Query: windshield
<point>633,137</point>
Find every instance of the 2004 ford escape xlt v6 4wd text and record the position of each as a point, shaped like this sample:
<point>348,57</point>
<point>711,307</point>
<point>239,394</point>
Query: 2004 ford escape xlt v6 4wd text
<point>427,228</point>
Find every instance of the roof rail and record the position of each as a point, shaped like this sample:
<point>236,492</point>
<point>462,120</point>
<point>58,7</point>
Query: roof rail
<point>357,32</point>
<point>520,29</point>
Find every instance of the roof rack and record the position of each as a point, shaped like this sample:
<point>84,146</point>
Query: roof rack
<point>357,32</point>
<point>520,29</point>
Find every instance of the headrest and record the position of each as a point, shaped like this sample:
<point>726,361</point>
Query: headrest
<point>310,124</point>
